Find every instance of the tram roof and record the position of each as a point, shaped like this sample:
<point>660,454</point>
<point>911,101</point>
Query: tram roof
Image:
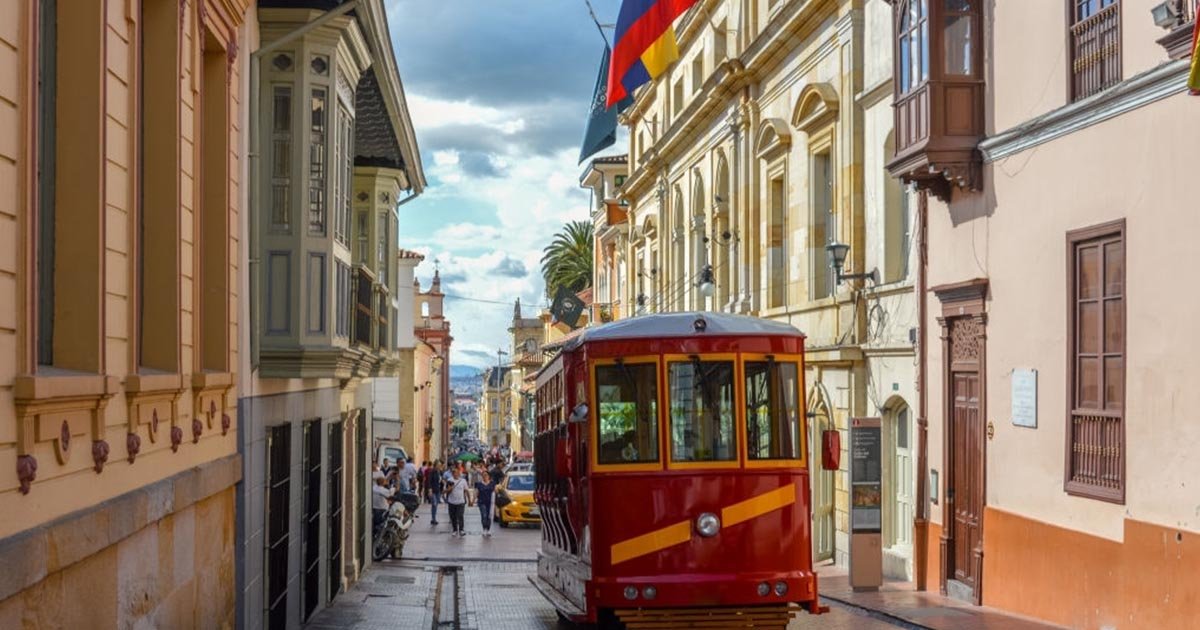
<point>662,325</point>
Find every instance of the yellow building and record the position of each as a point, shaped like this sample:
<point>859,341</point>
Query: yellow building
<point>761,145</point>
<point>122,192</point>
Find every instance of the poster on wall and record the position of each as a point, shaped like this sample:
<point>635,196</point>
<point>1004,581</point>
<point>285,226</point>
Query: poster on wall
<point>866,475</point>
<point>1024,398</point>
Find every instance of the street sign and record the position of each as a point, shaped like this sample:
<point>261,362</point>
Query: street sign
<point>866,503</point>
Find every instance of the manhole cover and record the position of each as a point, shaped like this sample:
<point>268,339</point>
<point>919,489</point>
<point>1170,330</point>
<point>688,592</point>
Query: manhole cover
<point>395,579</point>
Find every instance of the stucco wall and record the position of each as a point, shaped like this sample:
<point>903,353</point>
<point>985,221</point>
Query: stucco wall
<point>1014,234</point>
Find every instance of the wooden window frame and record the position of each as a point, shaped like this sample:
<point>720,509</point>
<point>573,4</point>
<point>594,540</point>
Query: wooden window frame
<point>1073,93</point>
<point>1075,239</point>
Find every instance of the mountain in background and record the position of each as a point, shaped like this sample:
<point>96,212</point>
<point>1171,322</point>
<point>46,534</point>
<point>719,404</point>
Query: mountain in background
<point>464,371</point>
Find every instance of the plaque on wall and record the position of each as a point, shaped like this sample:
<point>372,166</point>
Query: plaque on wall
<point>1024,398</point>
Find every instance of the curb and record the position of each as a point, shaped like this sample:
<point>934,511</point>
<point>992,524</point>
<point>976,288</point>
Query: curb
<point>877,614</point>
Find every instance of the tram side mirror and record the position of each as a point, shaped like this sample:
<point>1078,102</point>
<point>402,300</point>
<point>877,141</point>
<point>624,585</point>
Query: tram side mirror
<point>579,413</point>
<point>831,449</point>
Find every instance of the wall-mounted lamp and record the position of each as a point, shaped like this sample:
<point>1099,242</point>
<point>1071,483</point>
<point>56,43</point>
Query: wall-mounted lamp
<point>1166,14</point>
<point>706,282</point>
<point>723,238</point>
<point>837,260</point>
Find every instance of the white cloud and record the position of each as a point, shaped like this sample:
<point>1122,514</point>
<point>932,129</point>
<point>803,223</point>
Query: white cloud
<point>434,113</point>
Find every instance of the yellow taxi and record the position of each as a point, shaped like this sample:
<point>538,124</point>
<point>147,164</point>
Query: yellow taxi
<point>518,488</point>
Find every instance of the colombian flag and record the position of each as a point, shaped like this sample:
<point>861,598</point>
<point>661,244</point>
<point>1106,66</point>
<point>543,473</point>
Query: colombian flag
<point>1194,78</point>
<point>644,44</point>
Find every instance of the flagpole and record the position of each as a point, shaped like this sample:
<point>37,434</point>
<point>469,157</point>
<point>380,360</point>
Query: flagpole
<point>596,21</point>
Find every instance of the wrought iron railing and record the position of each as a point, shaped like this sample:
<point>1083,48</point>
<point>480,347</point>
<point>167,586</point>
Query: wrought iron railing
<point>1096,52</point>
<point>1097,461</point>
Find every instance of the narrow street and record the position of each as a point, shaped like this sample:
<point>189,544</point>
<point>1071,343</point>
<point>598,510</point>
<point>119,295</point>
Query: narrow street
<point>479,583</point>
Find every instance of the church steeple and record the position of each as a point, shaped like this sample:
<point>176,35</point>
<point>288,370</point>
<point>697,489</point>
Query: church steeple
<point>517,310</point>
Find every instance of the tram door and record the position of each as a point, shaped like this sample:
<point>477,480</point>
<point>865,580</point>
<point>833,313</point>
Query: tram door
<point>822,492</point>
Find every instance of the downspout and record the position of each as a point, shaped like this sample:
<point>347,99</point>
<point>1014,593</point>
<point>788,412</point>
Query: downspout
<point>254,156</point>
<point>921,522</point>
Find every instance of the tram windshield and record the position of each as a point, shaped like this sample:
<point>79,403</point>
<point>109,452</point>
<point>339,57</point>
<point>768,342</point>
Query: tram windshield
<point>628,413</point>
<point>702,411</point>
<point>772,410</point>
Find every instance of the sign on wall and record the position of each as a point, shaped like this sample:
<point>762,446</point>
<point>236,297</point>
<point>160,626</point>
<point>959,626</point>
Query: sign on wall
<point>866,475</point>
<point>1024,398</point>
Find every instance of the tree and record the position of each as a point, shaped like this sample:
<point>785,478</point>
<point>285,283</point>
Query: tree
<point>567,260</point>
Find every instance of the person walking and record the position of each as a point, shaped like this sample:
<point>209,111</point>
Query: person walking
<point>435,494</point>
<point>473,481</point>
<point>485,492</point>
<point>456,502</point>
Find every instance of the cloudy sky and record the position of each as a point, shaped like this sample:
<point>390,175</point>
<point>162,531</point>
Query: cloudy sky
<point>498,91</point>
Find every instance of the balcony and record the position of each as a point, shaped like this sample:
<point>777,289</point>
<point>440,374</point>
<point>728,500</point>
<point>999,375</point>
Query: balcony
<point>1178,40</point>
<point>368,352</point>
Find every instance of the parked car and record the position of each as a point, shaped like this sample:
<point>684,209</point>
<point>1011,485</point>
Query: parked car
<point>517,488</point>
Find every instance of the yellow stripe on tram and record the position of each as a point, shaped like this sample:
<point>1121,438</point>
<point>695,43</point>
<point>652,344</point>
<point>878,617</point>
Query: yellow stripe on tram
<point>759,505</point>
<point>681,532</point>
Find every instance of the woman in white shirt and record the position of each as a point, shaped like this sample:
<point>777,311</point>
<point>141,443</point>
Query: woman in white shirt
<point>456,500</point>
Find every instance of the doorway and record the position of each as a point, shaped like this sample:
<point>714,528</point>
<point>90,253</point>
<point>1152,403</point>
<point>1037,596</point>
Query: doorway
<point>823,530</point>
<point>901,505</point>
<point>964,409</point>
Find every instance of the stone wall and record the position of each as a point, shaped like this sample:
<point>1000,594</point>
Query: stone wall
<point>158,557</point>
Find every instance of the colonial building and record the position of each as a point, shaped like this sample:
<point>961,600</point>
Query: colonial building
<point>527,336</point>
<point>122,193</point>
<point>333,160</point>
<point>410,428</point>
<point>762,145</point>
<point>432,368</point>
<point>1055,147</point>
<point>497,406</point>
<point>604,177</point>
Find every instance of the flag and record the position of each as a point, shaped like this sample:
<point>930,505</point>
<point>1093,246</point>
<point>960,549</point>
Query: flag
<point>601,131</point>
<point>1194,77</point>
<point>644,44</point>
<point>567,307</point>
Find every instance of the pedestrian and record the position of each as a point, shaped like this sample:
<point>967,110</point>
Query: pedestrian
<point>473,481</point>
<point>456,502</point>
<point>408,476</point>
<point>435,490</point>
<point>379,499</point>
<point>497,472</point>
<point>485,492</point>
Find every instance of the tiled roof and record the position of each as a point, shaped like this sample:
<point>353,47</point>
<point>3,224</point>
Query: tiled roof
<point>374,138</point>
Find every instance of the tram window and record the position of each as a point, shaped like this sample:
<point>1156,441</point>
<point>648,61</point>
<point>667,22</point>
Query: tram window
<point>772,410</point>
<point>627,412</point>
<point>702,411</point>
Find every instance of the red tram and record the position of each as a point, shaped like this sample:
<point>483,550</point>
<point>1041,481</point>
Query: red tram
<point>672,474</point>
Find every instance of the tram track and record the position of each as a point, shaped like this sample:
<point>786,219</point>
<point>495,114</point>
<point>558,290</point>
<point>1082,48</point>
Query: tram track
<point>446,598</point>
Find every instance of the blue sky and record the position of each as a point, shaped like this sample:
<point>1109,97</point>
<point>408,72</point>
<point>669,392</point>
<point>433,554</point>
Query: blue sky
<point>498,92</point>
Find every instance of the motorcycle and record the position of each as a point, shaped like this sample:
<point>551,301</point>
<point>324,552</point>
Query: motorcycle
<point>390,538</point>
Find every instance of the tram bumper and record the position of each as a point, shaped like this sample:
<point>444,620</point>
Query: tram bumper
<point>796,589</point>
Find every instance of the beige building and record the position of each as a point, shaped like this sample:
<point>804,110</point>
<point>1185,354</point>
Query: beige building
<point>1055,147</point>
<point>122,189</point>
<point>765,142</point>
<point>334,158</point>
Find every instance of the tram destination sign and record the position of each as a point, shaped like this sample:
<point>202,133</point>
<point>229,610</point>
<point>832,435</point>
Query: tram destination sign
<point>866,475</point>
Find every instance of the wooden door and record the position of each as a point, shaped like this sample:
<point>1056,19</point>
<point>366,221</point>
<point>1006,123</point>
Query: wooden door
<point>966,476</point>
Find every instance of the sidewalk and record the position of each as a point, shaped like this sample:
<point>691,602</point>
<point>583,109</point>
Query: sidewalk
<point>899,601</point>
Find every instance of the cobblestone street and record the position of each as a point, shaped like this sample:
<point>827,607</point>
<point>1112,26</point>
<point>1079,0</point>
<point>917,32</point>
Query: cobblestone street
<point>493,592</point>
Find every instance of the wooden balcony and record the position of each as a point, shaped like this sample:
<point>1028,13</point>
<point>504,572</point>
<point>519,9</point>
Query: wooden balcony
<point>1096,52</point>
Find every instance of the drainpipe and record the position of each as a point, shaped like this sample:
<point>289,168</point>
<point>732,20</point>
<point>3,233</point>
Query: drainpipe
<point>254,156</point>
<point>921,522</point>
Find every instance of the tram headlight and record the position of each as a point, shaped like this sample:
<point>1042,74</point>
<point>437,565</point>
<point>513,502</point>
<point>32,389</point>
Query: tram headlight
<point>630,592</point>
<point>781,588</point>
<point>708,524</point>
<point>764,589</point>
<point>649,592</point>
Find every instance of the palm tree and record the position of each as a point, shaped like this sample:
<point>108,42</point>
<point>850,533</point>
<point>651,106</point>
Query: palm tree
<point>567,260</point>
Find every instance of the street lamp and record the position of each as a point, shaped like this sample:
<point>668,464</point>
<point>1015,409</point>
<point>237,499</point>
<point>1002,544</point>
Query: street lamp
<point>706,283</point>
<point>837,259</point>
